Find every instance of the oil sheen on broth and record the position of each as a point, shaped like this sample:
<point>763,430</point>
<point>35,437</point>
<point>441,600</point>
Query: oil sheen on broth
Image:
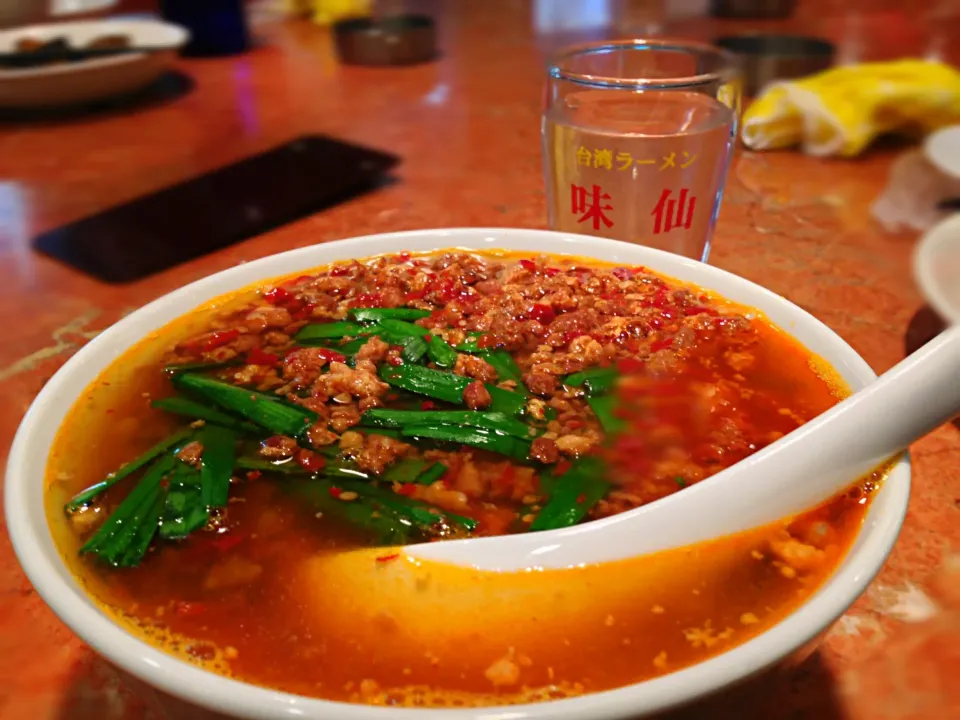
<point>280,597</point>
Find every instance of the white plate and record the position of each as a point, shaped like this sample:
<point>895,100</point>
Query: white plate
<point>936,265</point>
<point>34,546</point>
<point>88,80</point>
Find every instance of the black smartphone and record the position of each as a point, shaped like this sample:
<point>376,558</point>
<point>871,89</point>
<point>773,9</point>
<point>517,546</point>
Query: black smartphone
<point>220,208</point>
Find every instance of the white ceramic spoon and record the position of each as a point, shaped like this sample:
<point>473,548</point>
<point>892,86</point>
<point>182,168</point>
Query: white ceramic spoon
<point>804,468</point>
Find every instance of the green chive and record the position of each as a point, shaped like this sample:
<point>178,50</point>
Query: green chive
<point>200,411</point>
<point>269,412</point>
<point>498,422</point>
<point>402,329</point>
<point>440,352</point>
<point>574,493</point>
<point>604,407</point>
<point>475,437</point>
<point>326,331</point>
<point>85,496</point>
<point>376,315</point>
<point>414,348</point>
<point>123,517</point>
<point>219,449</point>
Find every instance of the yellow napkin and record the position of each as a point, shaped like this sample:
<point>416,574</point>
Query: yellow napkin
<point>840,111</point>
<point>327,12</point>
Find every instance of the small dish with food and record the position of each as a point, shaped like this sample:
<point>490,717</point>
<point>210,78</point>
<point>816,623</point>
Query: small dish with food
<point>66,63</point>
<point>192,491</point>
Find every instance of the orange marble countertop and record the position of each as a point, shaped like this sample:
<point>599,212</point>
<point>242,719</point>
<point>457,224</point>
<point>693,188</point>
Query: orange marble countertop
<point>467,128</point>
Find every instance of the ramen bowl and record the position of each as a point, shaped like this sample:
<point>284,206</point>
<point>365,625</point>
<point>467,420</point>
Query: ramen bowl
<point>39,556</point>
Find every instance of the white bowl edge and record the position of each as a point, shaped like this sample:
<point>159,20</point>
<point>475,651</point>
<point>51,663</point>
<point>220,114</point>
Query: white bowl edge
<point>34,545</point>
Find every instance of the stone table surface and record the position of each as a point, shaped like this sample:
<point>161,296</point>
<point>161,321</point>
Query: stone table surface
<point>467,128</point>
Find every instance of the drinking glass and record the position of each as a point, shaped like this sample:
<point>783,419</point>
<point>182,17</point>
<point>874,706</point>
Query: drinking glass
<point>637,138</point>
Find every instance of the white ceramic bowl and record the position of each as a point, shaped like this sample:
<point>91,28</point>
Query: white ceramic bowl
<point>936,265</point>
<point>35,548</point>
<point>88,80</point>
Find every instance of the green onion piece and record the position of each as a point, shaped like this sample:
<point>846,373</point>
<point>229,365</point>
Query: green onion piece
<point>575,492</point>
<point>200,366</point>
<point>448,387</point>
<point>343,471</point>
<point>506,401</point>
<point>266,411</point>
<point>386,526</point>
<point>426,381</point>
<point>124,471</point>
<point>116,548</point>
<point>505,365</point>
<point>440,352</point>
<point>405,471</point>
<point>470,344</point>
<point>402,329</point>
<point>219,450</point>
<point>596,381</point>
<point>326,331</point>
<point>376,315</point>
<point>287,467</point>
<point>475,437</point>
<point>431,474</point>
<point>111,538</point>
<point>145,532</point>
<point>200,411</point>
<point>604,407</point>
<point>495,421</point>
<point>184,510</point>
<point>414,348</point>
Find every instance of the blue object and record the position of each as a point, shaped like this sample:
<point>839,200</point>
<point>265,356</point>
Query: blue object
<point>217,27</point>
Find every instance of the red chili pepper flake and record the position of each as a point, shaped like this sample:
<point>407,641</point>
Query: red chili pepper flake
<point>310,461</point>
<point>569,337</point>
<point>259,357</point>
<point>335,492</point>
<point>300,310</point>
<point>387,558</point>
<point>394,358</point>
<point>427,405</point>
<point>543,314</point>
<point>278,296</point>
<point>189,609</point>
<point>415,295</point>
<point>561,467</point>
<point>408,489</point>
<point>581,498</point>
<point>227,541</point>
<point>623,273</point>
<point>339,270</point>
<point>403,255</point>
<point>574,424</point>
<point>528,265</point>
<point>661,344</point>
<point>254,475</point>
<point>331,355</point>
<point>219,339</point>
<point>627,366</point>
<point>551,271</point>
